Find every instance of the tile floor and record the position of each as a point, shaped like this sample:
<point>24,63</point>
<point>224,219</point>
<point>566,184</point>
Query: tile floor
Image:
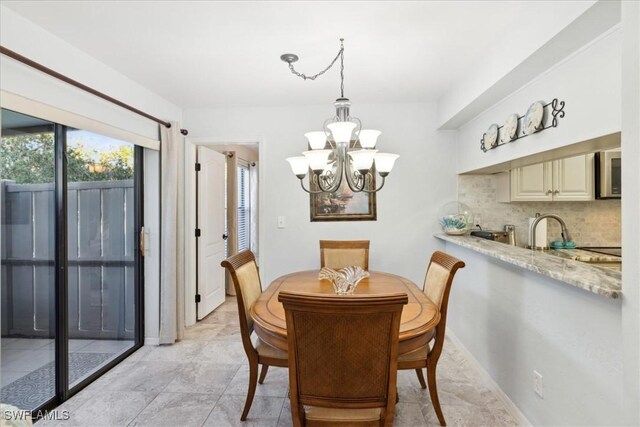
<point>22,356</point>
<point>202,381</point>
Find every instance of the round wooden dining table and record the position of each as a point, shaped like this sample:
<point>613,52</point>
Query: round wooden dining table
<point>419,317</point>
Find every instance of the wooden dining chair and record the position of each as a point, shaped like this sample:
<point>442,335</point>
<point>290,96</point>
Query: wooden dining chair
<point>437,285</point>
<point>343,354</point>
<point>338,254</point>
<point>246,281</point>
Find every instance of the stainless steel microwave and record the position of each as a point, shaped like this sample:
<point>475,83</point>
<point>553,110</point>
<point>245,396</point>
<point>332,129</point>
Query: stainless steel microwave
<point>608,174</point>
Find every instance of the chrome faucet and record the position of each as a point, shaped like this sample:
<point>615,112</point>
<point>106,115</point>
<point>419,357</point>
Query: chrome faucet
<point>532,230</point>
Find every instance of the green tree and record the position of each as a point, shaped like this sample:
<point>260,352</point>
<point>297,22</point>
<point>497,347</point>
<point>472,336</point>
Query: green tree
<point>29,159</point>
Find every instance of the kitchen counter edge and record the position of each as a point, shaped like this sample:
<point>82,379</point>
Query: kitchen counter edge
<point>596,280</point>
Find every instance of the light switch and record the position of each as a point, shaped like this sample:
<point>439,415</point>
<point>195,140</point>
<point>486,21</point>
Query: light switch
<point>280,222</point>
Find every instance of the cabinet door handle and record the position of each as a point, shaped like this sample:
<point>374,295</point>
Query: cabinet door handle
<point>549,192</point>
<point>556,191</point>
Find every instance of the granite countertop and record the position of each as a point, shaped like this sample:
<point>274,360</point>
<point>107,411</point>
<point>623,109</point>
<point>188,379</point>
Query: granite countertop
<point>584,255</point>
<point>599,281</point>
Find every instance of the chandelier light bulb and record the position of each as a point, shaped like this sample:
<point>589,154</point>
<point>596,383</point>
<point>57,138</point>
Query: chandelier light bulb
<point>368,138</point>
<point>384,162</point>
<point>362,159</point>
<point>317,140</point>
<point>299,165</point>
<point>342,131</point>
<point>318,159</point>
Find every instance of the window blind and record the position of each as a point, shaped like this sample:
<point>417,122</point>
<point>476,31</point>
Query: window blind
<point>244,208</point>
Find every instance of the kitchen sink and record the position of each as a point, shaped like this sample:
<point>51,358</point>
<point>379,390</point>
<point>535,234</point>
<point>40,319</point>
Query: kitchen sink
<point>603,257</point>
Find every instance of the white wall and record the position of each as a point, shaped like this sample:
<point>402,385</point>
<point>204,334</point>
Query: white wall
<point>421,182</point>
<point>589,83</point>
<point>515,321</point>
<point>30,40</point>
<point>631,208</point>
<point>527,322</point>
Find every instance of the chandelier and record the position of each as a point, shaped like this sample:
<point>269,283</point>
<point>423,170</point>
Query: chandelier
<point>342,149</point>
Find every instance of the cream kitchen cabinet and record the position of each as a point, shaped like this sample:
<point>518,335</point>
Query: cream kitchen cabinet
<point>568,179</point>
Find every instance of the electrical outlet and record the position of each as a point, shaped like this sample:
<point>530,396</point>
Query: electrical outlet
<point>538,385</point>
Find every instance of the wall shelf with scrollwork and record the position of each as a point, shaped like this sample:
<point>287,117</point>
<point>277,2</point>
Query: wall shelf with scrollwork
<point>494,137</point>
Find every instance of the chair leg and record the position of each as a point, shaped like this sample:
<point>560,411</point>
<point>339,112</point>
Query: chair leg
<point>433,392</point>
<point>421,378</point>
<point>253,381</point>
<point>263,373</point>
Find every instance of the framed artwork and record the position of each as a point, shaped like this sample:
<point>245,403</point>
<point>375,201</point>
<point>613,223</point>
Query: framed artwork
<point>343,205</point>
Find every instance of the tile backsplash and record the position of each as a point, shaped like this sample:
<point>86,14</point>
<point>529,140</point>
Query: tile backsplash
<point>596,223</point>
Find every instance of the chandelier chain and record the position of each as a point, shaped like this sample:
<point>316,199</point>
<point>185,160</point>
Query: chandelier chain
<point>341,68</point>
<point>313,77</point>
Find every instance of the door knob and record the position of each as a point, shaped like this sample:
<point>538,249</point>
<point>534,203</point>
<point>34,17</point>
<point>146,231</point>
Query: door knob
<point>225,236</point>
<point>556,191</point>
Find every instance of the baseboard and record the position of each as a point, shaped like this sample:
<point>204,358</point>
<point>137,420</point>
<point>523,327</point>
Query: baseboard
<point>509,405</point>
<point>151,341</point>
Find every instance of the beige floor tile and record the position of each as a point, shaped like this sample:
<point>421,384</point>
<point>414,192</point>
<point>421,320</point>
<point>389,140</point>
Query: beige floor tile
<point>182,351</point>
<point>202,377</point>
<point>276,384</point>
<point>265,411</point>
<point>176,409</point>
<point>142,376</point>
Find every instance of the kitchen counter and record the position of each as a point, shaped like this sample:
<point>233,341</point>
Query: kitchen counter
<point>584,255</point>
<point>599,281</point>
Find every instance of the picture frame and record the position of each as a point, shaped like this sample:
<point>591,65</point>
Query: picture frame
<point>343,205</point>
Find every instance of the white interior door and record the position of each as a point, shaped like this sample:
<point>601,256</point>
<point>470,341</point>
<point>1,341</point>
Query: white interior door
<point>211,217</point>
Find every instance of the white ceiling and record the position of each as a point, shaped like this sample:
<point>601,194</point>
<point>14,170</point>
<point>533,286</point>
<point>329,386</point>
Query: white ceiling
<point>212,54</point>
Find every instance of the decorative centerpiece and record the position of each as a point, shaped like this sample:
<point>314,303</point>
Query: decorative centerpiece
<point>455,218</point>
<point>344,280</point>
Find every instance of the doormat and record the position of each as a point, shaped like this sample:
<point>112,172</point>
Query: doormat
<point>38,386</point>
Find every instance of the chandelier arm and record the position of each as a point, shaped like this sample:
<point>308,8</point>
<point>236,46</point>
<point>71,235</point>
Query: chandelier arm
<point>327,132</point>
<point>377,189</point>
<point>337,177</point>
<point>350,173</point>
<point>309,191</point>
<point>357,130</point>
<point>333,187</point>
<point>339,55</point>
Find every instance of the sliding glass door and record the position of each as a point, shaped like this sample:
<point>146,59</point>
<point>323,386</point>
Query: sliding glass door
<point>71,271</point>
<point>100,251</point>
<point>27,211</point>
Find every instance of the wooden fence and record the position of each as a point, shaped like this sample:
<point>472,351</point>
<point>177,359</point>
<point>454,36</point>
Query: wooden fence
<point>101,271</point>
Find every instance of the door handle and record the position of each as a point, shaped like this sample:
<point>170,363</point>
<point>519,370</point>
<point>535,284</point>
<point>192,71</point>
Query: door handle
<point>142,241</point>
<point>549,192</point>
<point>556,191</point>
<point>225,236</point>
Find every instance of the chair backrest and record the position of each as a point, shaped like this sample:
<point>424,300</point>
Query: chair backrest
<point>437,286</point>
<point>344,253</point>
<point>343,350</point>
<point>246,281</point>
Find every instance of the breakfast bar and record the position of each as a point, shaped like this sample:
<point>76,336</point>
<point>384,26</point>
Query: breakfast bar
<point>561,267</point>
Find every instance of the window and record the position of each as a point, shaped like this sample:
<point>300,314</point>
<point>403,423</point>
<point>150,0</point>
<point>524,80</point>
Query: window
<point>244,208</point>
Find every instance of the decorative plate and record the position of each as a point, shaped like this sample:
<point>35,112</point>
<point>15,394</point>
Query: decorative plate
<point>491,136</point>
<point>510,128</point>
<point>533,118</point>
